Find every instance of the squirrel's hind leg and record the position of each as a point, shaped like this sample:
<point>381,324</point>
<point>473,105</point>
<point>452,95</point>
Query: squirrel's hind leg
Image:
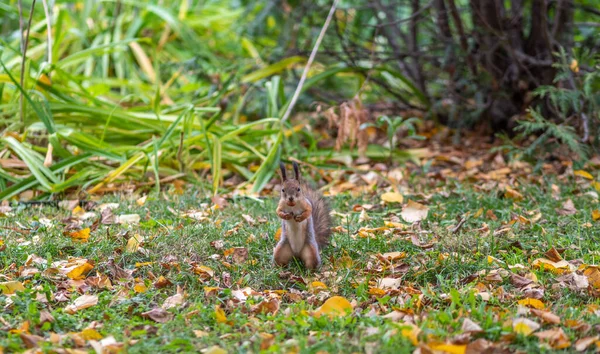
<point>310,256</point>
<point>282,254</point>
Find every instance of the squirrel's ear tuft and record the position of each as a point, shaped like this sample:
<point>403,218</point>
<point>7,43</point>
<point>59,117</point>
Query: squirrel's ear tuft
<point>282,167</point>
<point>296,170</point>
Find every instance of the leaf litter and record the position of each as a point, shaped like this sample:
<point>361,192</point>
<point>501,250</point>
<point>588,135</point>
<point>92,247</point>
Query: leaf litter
<point>420,240</point>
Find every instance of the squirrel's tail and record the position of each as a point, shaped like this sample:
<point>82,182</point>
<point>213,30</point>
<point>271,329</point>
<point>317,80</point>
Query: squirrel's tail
<point>321,217</point>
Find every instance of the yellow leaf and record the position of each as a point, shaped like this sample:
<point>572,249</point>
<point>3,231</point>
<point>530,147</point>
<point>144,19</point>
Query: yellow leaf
<point>140,288</point>
<point>584,174</point>
<point>215,349</point>
<point>77,211</point>
<point>134,243</point>
<point>595,214</point>
<point>142,264</point>
<point>141,201</point>
<point>81,235</point>
<point>596,186</point>
<point>80,272</point>
<point>530,302</point>
<point>450,348</point>
<point>411,333</point>
<point>220,315</point>
<point>593,275</point>
<point>317,285</point>
<point>392,197</point>
<point>334,306</point>
<point>9,287</point>
<point>376,291</point>
<point>278,234</point>
<point>513,194</point>
<point>478,213</point>
<point>525,326</point>
<point>90,333</point>
<point>555,267</point>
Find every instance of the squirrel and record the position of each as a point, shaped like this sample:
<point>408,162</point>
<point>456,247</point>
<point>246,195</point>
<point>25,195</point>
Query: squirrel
<point>305,222</point>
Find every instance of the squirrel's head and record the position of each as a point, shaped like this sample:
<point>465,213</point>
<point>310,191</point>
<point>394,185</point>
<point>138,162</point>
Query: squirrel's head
<point>291,190</point>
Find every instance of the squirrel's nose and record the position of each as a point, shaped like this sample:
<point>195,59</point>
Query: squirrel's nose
<point>291,199</point>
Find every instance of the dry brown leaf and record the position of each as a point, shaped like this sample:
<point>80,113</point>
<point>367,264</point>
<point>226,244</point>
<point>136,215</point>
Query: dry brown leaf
<point>158,314</point>
<point>82,302</point>
<point>414,212</point>
<point>546,316</point>
<point>556,337</point>
<point>553,255</point>
<point>470,326</point>
<point>583,343</point>
<point>568,208</point>
<point>240,255</point>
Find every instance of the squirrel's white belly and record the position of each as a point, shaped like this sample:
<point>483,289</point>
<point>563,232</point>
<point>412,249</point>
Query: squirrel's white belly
<point>296,233</point>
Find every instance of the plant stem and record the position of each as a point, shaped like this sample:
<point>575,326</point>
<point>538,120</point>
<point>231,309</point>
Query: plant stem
<point>24,44</point>
<point>288,111</point>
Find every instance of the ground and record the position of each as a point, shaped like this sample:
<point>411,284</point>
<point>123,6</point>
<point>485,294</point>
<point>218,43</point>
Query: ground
<point>191,276</point>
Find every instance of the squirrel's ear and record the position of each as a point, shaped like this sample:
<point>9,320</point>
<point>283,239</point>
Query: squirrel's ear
<point>296,170</point>
<point>282,167</point>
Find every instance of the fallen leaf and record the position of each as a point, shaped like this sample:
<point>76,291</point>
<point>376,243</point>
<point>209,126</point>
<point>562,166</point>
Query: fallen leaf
<point>249,219</point>
<point>158,314</point>
<point>199,334</point>
<point>583,343</point>
<point>450,348</point>
<point>141,201</point>
<point>140,288</point>
<point>10,287</point>
<point>555,267</point>
<point>546,316</point>
<point>556,337</point>
<point>553,255</point>
<point>270,306</point>
<point>317,286</point>
<point>524,326</point>
<point>414,212</point>
<point>173,301</point>
<point>568,208</point>
<point>129,219</point>
<point>512,194</point>
<point>90,333</point>
<point>134,243</point>
<point>80,271</point>
<point>215,349</point>
<point>392,197</point>
<point>584,174</point>
<point>593,275</point>
<point>82,302</point>
<point>334,306</point>
<point>220,315</point>
<point>470,326</point>
<point>535,303</point>
<point>595,214</point>
<point>240,255</point>
<point>80,235</point>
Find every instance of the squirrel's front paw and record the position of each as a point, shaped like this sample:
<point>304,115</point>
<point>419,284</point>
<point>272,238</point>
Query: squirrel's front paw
<point>285,216</point>
<point>299,218</point>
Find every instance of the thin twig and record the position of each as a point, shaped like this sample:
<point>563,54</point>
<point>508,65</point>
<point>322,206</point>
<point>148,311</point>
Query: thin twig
<point>24,44</point>
<point>287,113</point>
<point>49,32</point>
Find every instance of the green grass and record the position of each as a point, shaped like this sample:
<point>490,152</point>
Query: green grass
<point>175,244</point>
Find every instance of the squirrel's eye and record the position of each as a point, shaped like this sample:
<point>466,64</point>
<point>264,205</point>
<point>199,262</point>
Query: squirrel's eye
<point>298,189</point>
<point>283,190</point>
